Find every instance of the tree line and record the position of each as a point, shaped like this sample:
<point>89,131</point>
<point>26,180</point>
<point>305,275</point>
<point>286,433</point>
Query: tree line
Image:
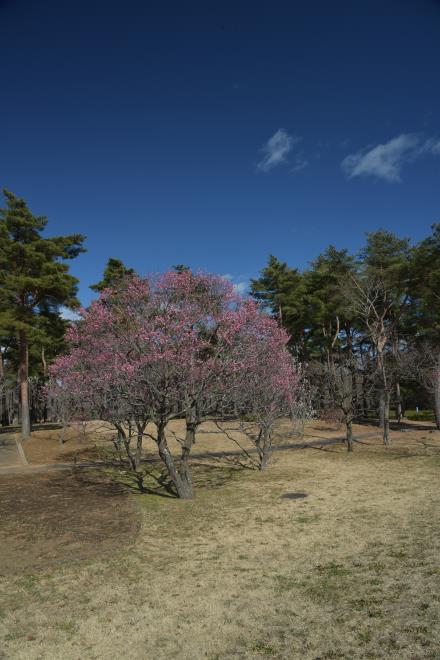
<point>367,325</point>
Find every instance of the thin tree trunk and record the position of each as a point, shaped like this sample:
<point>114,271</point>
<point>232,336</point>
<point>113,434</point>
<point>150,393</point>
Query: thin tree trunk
<point>385,401</point>
<point>122,437</point>
<point>3,406</point>
<point>382,408</point>
<point>349,434</point>
<point>139,442</point>
<point>399,411</point>
<point>395,349</point>
<point>184,471</point>
<point>24,385</point>
<point>43,361</point>
<point>437,399</point>
<point>62,432</point>
<point>386,419</point>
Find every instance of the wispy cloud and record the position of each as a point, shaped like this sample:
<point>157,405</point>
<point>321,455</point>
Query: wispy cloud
<point>241,286</point>
<point>276,150</point>
<point>300,164</point>
<point>69,314</point>
<point>385,161</point>
<point>431,146</point>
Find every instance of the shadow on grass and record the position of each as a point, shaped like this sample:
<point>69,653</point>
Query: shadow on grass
<point>153,478</point>
<point>423,425</point>
<point>44,426</point>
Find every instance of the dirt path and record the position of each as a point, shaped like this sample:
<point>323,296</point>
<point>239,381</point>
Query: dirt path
<point>10,454</point>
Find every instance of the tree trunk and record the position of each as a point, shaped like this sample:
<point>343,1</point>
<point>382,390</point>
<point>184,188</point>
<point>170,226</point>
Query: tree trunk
<point>349,434</point>
<point>386,419</point>
<point>437,399</point>
<point>24,385</point>
<point>139,441</point>
<point>184,471</point>
<point>133,459</point>
<point>3,407</point>
<point>385,401</point>
<point>382,408</point>
<point>43,361</point>
<point>395,349</point>
<point>399,411</point>
<point>167,458</point>
<point>264,448</point>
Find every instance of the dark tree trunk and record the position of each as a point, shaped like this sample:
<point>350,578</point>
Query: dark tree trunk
<point>386,419</point>
<point>181,487</point>
<point>139,442</point>
<point>3,411</point>
<point>437,403</point>
<point>131,458</point>
<point>184,471</point>
<point>349,434</point>
<point>264,447</point>
<point>395,349</point>
<point>24,385</point>
<point>399,410</point>
<point>384,401</point>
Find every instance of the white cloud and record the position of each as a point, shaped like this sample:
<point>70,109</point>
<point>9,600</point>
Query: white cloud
<point>276,149</point>
<point>241,288</point>
<point>385,161</point>
<point>69,314</point>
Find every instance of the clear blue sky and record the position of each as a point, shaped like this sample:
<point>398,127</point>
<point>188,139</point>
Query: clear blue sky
<point>215,133</point>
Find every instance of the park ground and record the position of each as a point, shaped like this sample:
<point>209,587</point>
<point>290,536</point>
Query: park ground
<point>90,569</point>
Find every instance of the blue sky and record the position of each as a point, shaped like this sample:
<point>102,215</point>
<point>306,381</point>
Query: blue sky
<point>213,134</point>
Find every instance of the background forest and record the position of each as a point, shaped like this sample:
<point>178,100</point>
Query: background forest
<point>365,326</point>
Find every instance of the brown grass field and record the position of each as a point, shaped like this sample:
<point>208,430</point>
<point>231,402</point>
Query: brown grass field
<point>90,570</point>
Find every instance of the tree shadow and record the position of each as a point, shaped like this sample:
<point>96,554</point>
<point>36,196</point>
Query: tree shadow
<point>43,426</point>
<point>208,476</point>
<point>399,426</point>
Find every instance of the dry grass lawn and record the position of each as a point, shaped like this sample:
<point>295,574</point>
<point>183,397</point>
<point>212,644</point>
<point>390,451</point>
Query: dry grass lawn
<point>93,440</point>
<point>351,571</point>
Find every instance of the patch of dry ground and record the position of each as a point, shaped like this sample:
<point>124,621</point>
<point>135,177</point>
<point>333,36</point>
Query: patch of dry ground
<point>56,517</point>
<point>352,571</point>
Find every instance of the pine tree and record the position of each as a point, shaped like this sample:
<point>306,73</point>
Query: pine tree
<point>114,272</point>
<point>426,282</point>
<point>35,281</point>
<point>281,290</point>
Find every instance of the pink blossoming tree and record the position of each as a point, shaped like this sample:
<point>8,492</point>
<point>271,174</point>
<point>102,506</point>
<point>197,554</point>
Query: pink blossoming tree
<point>183,345</point>
<point>264,382</point>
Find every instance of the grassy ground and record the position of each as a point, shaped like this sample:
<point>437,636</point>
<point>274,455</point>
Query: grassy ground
<point>420,415</point>
<point>351,571</point>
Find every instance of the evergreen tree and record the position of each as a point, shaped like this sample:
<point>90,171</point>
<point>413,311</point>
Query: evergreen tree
<point>426,286</point>
<point>181,268</point>
<point>114,272</point>
<point>281,290</point>
<point>329,311</point>
<point>35,281</point>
